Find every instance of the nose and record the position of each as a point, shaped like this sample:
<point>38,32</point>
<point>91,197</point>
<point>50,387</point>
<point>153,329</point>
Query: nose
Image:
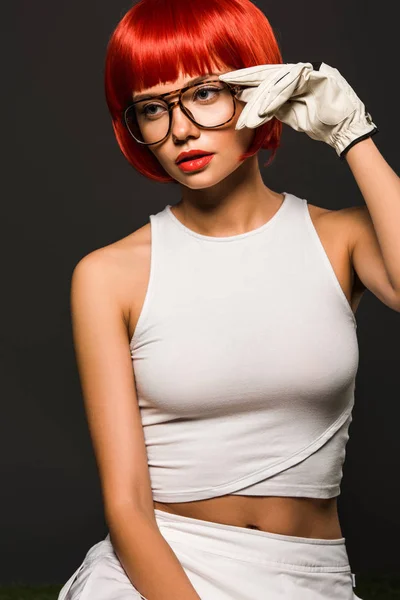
<point>181,125</point>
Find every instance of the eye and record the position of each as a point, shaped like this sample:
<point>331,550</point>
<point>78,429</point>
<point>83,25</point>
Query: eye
<point>213,90</point>
<point>147,112</point>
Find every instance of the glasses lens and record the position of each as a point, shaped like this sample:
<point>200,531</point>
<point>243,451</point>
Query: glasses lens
<point>210,105</point>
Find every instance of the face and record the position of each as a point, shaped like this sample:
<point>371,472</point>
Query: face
<point>225,142</point>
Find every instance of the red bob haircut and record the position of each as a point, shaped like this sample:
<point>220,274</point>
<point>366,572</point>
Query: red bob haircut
<point>157,40</point>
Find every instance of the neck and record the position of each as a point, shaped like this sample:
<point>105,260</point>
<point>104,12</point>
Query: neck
<point>237,204</point>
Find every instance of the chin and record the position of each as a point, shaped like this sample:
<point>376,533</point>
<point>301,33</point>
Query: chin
<point>204,180</point>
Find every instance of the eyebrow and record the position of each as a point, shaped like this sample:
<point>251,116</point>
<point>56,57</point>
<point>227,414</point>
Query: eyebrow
<point>191,82</point>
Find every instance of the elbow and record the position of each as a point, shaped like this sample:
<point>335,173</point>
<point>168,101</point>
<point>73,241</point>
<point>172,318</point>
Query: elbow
<point>128,511</point>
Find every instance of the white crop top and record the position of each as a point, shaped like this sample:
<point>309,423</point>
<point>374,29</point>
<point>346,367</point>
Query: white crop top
<point>245,356</point>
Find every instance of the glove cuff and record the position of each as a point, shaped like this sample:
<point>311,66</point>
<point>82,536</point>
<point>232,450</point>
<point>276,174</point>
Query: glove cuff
<point>342,155</point>
<point>359,127</point>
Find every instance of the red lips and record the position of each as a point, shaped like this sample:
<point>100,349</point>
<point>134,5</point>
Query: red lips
<point>192,154</point>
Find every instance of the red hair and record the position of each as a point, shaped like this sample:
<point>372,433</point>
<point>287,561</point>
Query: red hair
<point>156,40</point>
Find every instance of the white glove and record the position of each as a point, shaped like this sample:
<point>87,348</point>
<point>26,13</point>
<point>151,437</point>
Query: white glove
<point>310,97</point>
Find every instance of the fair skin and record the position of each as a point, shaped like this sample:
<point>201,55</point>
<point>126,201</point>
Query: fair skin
<point>107,294</point>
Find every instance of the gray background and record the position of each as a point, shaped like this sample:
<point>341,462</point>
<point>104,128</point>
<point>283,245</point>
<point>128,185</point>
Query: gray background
<point>68,190</point>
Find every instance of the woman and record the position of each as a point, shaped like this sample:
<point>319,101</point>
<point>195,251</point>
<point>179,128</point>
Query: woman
<point>220,453</point>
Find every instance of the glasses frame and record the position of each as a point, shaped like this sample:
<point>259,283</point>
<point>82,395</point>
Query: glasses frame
<point>234,89</point>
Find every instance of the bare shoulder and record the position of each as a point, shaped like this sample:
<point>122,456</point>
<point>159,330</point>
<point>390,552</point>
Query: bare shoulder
<point>123,265</point>
<point>335,224</point>
<point>317,211</point>
<point>356,218</point>
<point>327,214</point>
<point>337,230</point>
<point>350,221</point>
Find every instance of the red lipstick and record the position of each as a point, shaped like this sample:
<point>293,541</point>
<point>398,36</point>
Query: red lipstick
<point>192,154</point>
<point>195,164</point>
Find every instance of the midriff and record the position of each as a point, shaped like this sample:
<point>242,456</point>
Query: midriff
<point>303,517</point>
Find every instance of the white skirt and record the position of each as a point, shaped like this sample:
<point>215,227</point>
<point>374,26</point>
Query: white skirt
<point>226,562</point>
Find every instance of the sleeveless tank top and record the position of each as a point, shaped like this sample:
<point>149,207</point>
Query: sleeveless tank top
<point>245,356</point>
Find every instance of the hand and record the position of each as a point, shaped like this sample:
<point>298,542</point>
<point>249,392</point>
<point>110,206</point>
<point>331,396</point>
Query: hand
<point>310,97</point>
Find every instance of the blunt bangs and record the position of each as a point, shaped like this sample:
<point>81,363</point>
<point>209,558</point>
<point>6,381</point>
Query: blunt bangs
<point>157,41</point>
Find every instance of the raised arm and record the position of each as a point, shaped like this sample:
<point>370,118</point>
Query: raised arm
<point>101,343</point>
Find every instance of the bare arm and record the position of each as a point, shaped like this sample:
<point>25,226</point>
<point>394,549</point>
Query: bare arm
<point>101,344</point>
<point>151,564</point>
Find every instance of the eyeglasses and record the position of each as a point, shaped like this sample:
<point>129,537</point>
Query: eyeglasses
<point>149,120</point>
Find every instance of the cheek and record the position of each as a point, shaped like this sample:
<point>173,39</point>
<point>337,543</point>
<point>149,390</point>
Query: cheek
<point>245,135</point>
<point>239,140</point>
<point>162,156</point>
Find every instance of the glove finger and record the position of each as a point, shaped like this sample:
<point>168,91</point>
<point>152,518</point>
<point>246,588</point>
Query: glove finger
<point>252,121</point>
<point>246,95</point>
<point>268,77</point>
<point>287,113</point>
<point>253,114</point>
<point>258,78</point>
<point>253,76</point>
<point>268,98</point>
<point>276,95</point>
